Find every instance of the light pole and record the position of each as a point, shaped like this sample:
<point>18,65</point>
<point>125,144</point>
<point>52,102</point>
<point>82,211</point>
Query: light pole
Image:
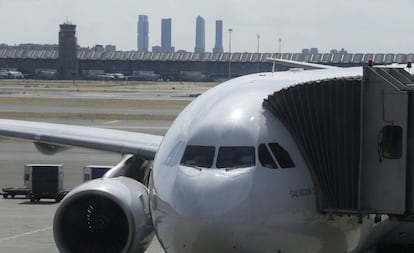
<point>258,51</point>
<point>280,45</point>
<point>230,30</point>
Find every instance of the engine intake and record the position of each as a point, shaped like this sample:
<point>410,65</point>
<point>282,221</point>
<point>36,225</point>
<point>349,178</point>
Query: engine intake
<point>104,215</point>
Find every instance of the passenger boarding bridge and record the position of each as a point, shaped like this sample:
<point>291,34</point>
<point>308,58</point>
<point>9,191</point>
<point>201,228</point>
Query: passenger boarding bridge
<point>357,137</point>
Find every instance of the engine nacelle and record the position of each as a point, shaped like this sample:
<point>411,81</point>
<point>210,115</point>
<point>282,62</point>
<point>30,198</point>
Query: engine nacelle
<point>49,149</point>
<point>104,215</point>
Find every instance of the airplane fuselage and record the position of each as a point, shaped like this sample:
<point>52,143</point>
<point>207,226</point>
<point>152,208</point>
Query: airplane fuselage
<point>263,202</point>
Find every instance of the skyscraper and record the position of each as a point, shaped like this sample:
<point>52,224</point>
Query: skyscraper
<point>200,36</point>
<point>166,35</point>
<point>218,48</point>
<point>143,33</point>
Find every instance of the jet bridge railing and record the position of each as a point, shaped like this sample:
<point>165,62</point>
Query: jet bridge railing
<point>354,134</point>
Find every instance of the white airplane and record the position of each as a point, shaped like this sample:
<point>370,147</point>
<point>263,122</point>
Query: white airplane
<point>10,74</point>
<point>112,76</point>
<point>228,176</point>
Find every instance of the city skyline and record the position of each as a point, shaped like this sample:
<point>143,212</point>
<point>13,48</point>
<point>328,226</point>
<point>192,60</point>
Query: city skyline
<point>301,24</point>
<point>200,36</point>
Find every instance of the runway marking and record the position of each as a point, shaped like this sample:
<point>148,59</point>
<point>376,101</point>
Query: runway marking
<point>111,122</point>
<point>25,234</point>
<point>141,127</point>
<point>144,127</point>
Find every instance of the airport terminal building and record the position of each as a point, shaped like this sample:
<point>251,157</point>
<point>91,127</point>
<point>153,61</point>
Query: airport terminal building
<point>181,66</point>
<point>69,61</point>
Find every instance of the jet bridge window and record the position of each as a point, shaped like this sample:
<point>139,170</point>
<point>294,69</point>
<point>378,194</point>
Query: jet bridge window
<point>391,143</point>
<point>236,157</point>
<point>198,156</point>
<point>281,155</point>
<point>265,157</point>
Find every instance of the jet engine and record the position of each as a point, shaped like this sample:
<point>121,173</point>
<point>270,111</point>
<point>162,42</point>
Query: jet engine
<point>104,215</point>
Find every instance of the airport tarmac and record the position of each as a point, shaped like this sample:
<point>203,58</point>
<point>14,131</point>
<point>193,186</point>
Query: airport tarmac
<point>27,227</point>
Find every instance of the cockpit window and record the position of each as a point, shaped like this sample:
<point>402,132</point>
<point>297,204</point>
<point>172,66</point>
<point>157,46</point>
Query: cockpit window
<point>198,156</point>
<point>231,157</point>
<point>281,155</point>
<point>265,157</point>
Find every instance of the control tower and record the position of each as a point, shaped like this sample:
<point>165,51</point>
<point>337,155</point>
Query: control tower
<point>68,57</point>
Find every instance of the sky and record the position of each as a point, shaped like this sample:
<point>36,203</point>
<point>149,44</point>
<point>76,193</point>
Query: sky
<point>359,26</point>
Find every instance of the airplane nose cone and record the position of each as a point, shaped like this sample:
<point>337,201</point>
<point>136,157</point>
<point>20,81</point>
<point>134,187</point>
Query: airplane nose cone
<point>203,209</point>
<point>210,193</point>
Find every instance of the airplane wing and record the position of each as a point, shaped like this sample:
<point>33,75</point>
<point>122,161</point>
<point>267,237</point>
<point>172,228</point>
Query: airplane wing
<point>298,64</point>
<point>145,145</point>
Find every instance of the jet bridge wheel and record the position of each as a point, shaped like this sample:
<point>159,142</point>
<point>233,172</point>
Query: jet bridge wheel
<point>34,200</point>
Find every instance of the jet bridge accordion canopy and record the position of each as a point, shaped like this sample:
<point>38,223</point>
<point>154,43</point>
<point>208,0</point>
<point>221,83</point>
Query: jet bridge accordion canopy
<point>354,135</point>
<point>323,117</point>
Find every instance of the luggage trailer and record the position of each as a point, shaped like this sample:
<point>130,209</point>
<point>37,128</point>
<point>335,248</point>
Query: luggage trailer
<point>44,181</point>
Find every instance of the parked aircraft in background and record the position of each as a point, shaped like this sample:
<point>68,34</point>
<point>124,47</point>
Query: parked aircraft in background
<point>46,73</point>
<point>112,76</point>
<point>10,74</point>
<point>229,176</point>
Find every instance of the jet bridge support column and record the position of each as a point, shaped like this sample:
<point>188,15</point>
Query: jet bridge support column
<point>410,155</point>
